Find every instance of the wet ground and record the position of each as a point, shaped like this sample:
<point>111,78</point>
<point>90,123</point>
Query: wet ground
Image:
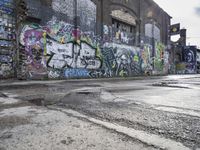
<point>145,113</point>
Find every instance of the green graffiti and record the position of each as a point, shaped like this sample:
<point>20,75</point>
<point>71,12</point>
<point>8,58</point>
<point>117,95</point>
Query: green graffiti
<point>159,57</point>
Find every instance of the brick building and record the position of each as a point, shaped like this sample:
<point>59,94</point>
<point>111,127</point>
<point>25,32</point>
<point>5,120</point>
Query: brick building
<point>84,38</point>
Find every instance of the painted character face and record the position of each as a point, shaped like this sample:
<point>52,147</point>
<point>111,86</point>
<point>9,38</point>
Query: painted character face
<point>190,56</point>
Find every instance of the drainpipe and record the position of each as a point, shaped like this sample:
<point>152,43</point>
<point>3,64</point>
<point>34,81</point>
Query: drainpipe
<point>17,67</point>
<point>139,38</point>
<point>153,44</point>
<point>183,37</point>
<point>102,20</point>
<point>75,14</point>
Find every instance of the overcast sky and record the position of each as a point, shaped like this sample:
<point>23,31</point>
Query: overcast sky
<point>186,12</point>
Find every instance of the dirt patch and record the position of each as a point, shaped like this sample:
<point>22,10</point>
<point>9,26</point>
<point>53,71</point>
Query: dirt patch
<point>77,98</point>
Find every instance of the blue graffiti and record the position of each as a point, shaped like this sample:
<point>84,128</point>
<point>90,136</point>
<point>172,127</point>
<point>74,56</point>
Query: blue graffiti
<point>6,6</point>
<point>76,73</point>
<point>5,59</point>
<point>4,43</point>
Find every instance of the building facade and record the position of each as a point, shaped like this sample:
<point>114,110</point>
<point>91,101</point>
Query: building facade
<point>185,57</point>
<point>198,60</point>
<point>85,39</point>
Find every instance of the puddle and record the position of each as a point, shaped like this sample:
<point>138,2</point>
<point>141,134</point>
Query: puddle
<point>84,92</point>
<point>37,102</point>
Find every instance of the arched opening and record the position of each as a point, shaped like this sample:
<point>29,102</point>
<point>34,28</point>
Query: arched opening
<point>124,26</point>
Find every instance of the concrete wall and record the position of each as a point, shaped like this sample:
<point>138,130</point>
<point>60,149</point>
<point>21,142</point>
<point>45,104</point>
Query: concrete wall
<point>54,43</point>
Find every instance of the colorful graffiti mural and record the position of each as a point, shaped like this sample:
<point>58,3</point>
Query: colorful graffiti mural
<point>60,49</point>
<point>6,68</point>
<point>121,60</point>
<point>159,58</point>
<point>189,63</point>
<point>190,59</point>
<point>146,52</point>
<point>34,41</point>
<point>57,46</point>
<point>72,56</point>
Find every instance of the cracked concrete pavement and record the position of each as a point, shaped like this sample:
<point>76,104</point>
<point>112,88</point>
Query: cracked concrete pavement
<point>133,113</point>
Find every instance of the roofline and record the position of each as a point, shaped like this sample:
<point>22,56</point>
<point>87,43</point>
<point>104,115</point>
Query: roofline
<point>160,8</point>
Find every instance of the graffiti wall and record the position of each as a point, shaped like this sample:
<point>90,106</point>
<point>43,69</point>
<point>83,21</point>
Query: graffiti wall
<point>121,60</point>
<point>146,57</point>
<point>190,59</point>
<point>58,50</point>
<point>51,54</point>
<point>61,49</point>
<point>7,37</point>
<point>66,52</point>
